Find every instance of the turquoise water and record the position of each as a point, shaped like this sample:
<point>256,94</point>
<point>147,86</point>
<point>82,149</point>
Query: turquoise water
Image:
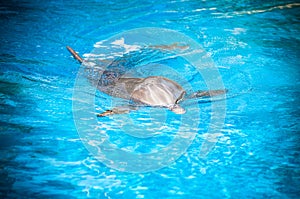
<point>255,45</point>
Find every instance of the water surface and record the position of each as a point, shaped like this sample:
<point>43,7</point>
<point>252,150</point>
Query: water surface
<point>257,154</point>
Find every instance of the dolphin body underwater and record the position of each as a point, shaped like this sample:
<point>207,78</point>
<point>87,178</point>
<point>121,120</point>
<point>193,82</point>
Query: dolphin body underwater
<point>156,91</point>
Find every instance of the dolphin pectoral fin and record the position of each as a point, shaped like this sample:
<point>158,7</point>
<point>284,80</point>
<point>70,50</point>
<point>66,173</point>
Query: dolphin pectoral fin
<point>117,110</point>
<point>210,93</point>
<point>105,113</point>
<point>173,46</point>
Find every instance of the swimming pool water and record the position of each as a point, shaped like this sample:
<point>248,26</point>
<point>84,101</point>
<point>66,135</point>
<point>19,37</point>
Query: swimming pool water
<point>254,44</point>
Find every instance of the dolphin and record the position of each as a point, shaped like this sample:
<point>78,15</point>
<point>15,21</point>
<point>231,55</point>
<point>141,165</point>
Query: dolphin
<point>156,91</point>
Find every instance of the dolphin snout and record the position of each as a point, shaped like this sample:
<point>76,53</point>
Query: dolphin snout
<point>177,109</point>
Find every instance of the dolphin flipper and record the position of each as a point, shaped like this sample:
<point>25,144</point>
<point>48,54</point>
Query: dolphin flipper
<point>117,110</point>
<point>210,93</point>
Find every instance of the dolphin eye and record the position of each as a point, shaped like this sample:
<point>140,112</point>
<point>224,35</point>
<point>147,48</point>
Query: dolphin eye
<point>180,98</point>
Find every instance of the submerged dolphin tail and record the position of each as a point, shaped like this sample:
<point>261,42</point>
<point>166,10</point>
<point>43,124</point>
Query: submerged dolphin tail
<point>75,55</point>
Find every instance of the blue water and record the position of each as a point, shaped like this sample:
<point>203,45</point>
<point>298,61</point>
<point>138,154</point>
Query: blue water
<point>254,44</point>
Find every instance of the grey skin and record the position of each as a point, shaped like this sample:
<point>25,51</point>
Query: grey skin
<point>154,91</point>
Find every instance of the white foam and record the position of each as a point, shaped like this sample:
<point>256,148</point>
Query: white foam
<point>128,48</point>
